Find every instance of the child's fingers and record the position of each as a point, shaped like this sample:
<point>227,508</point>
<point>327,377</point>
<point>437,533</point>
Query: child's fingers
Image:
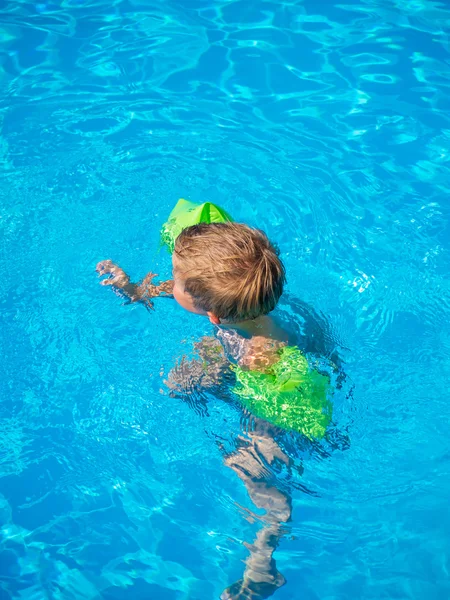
<point>148,278</point>
<point>104,266</point>
<point>148,303</point>
<point>111,272</point>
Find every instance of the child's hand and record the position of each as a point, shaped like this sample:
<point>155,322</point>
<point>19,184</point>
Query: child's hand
<point>117,276</point>
<point>142,292</point>
<point>147,289</point>
<point>120,282</point>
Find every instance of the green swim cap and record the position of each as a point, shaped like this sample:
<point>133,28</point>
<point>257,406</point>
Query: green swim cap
<point>289,394</point>
<point>188,213</point>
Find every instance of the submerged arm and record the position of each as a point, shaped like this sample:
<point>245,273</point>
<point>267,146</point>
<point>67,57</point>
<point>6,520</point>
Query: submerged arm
<point>135,292</point>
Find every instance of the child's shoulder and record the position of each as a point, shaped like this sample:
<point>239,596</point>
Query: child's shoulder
<point>251,352</point>
<point>261,352</point>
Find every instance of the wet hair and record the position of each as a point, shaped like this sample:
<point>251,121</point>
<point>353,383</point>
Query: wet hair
<point>229,269</point>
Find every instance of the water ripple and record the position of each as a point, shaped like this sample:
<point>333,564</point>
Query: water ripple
<point>327,126</point>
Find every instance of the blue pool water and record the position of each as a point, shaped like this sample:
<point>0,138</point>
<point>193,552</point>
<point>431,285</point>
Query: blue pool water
<point>327,124</point>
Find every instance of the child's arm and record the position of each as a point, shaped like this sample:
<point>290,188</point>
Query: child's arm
<point>136,292</point>
<point>209,369</point>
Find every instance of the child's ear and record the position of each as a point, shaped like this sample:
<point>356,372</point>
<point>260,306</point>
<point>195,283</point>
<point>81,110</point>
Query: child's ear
<point>213,318</point>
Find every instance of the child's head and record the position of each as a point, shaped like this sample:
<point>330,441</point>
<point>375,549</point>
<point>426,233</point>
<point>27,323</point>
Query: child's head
<point>228,271</point>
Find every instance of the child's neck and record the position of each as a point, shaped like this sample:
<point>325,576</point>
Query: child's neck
<point>263,326</point>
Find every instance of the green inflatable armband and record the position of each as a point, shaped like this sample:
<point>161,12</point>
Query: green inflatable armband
<point>188,213</point>
<point>289,394</point>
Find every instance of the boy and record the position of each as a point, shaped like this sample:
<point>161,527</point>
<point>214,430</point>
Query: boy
<point>232,274</point>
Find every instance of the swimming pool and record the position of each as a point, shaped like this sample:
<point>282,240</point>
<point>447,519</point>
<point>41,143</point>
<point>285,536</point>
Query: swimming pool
<point>325,124</point>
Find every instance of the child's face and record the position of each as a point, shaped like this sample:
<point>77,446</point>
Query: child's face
<point>183,298</point>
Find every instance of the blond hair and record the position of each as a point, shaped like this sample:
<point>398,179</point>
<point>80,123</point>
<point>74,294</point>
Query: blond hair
<point>229,269</point>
